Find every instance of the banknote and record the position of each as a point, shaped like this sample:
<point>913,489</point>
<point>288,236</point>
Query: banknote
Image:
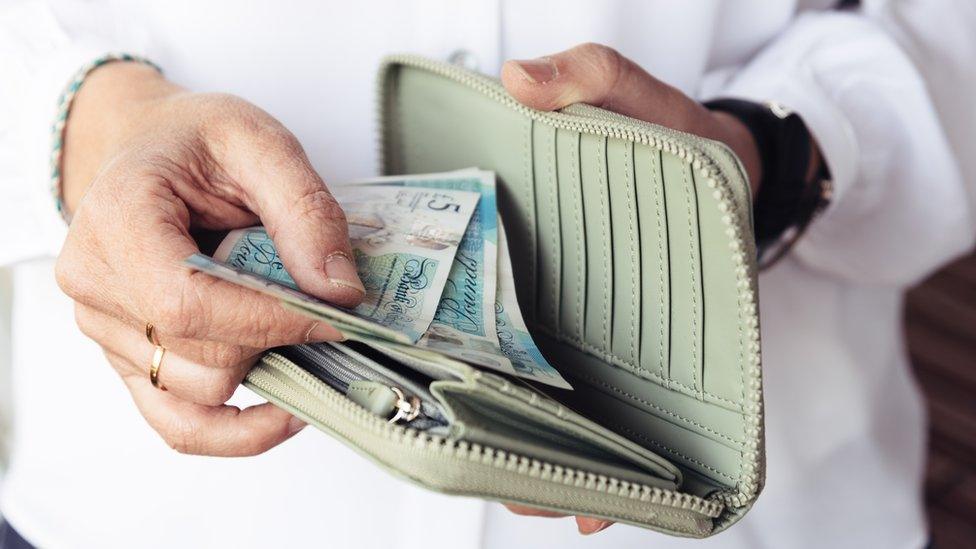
<point>513,336</point>
<point>464,323</point>
<point>404,241</point>
<point>343,320</point>
<point>517,354</point>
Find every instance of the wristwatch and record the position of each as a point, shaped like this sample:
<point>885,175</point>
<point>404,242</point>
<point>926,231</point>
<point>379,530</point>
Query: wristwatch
<point>788,198</point>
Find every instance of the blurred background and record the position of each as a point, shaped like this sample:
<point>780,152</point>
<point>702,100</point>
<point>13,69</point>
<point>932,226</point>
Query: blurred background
<point>940,321</point>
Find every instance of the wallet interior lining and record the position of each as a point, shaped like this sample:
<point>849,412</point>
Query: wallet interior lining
<point>612,231</point>
<point>473,418</point>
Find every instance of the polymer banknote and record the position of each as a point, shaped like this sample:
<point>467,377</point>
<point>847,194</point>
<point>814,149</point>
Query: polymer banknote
<point>404,241</point>
<point>464,324</point>
<point>467,311</point>
<point>513,336</point>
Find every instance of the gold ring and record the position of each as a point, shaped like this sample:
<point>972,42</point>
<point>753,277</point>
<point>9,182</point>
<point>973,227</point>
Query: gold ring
<point>151,333</point>
<point>157,361</point>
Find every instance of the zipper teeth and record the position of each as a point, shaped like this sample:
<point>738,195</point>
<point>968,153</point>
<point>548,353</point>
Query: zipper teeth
<point>323,362</point>
<point>688,148</point>
<point>413,438</point>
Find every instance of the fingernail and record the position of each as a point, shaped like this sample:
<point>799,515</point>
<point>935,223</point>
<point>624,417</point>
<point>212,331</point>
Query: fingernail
<point>602,525</point>
<point>342,271</point>
<point>537,71</point>
<point>295,425</point>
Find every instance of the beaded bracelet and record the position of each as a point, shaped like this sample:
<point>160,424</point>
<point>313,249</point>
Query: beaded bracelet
<point>64,106</point>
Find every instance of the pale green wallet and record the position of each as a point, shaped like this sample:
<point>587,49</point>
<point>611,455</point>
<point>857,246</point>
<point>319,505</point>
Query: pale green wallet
<point>635,267</point>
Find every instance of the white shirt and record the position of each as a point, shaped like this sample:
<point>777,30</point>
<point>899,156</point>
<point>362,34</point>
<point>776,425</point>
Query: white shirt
<point>845,424</point>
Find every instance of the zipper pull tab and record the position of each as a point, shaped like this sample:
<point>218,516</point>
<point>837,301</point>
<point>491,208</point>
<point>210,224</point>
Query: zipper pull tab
<point>407,409</point>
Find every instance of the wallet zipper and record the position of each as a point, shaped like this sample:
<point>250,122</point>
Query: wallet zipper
<point>320,402</point>
<point>689,148</point>
<point>340,372</point>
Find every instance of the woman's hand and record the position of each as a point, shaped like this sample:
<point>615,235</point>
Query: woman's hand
<point>147,163</point>
<point>598,75</point>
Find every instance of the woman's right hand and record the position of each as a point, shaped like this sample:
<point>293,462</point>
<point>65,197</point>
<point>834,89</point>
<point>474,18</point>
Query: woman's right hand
<point>144,163</point>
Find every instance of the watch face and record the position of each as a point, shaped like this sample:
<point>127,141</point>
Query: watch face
<point>780,110</point>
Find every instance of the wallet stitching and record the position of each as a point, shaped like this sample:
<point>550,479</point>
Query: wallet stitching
<point>657,186</point>
<point>581,251</point>
<point>553,225</point>
<point>602,178</point>
<point>626,365</point>
<point>742,383</point>
<point>539,406</point>
<point>529,198</point>
<point>660,409</point>
<point>635,261</point>
<point>688,189</point>
<point>699,366</point>
<point>679,454</point>
<point>400,131</point>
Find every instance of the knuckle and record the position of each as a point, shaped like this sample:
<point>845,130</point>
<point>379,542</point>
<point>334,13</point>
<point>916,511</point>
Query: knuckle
<point>85,321</point>
<point>604,59</point>
<point>226,356</point>
<point>170,315</point>
<point>599,52</point>
<point>264,330</point>
<point>219,390</point>
<point>230,119</point>
<point>66,275</point>
<point>183,314</point>
<point>182,435</point>
<point>321,204</point>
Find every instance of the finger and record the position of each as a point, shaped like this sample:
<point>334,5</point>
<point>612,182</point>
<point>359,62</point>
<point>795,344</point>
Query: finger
<point>142,280</point>
<point>216,310</point>
<point>587,525</point>
<point>112,331</point>
<point>186,378</point>
<point>600,76</point>
<point>532,511</point>
<point>183,378</point>
<point>306,223</point>
<point>211,430</point>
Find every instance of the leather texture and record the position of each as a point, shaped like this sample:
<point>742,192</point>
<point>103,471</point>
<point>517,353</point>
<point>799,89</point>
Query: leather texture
<point>634,262</point>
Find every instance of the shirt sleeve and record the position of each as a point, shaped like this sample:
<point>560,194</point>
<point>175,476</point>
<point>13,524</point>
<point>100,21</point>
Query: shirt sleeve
<point>38,57</point>
<point>900,207</point>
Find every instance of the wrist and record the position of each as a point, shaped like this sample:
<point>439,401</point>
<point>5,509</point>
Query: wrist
<point>739,138</point>
<point>106,112</point>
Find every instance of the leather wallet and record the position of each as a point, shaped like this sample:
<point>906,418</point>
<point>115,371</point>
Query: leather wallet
<point>634,264</point>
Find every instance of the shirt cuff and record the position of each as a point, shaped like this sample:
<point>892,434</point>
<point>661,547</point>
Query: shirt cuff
<point>800,92</point>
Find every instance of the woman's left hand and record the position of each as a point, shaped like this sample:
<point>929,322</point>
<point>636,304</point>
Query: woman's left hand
<point>598,75</point>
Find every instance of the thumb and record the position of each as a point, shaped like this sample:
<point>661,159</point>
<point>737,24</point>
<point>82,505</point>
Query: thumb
<point>600,76</point>
<point>302,217</point>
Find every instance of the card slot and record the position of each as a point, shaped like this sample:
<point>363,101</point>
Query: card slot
<point>687,329</point>
<point>655,263</point>
<point>499,420</point>
<point>549,238</point>
<point>598,323</point>
<point>625,341</point>
<point>718,459</point>
<point>573,288</point>
<point>517,205</point>
<point>724,342</point>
